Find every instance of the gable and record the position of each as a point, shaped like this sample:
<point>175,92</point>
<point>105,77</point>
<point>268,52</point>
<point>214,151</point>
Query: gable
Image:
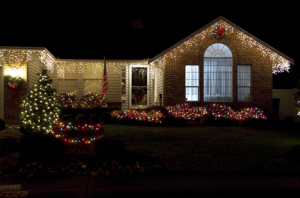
<point>280,62</point>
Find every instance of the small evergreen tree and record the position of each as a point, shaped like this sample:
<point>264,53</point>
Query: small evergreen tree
<point>40,109</point>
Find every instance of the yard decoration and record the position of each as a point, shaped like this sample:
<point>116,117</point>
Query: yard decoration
<point>219,32</point>
<point>13,83</point>
<point>67,101</point>
<point>40,109</point>
<point>77,132</point>
<point>139,115</point>
<point>92,100</point>
<point>190,113</point>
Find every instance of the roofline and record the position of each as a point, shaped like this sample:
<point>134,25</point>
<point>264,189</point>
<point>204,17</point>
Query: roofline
<point>22,48</point>
<point>213,22</point>
<point>28,49</point>
<point>102,60</point>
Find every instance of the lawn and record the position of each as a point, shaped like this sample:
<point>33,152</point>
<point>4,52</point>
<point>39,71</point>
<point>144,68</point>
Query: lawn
<point>211,148</point>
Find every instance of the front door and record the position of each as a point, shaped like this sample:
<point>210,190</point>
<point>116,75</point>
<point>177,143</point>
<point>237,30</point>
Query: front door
<point>139,79</point>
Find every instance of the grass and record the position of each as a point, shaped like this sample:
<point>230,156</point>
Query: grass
<point>211,148</point>
<point>10,133</point>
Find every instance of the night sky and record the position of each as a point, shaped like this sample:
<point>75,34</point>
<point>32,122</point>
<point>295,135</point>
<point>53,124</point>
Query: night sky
<point>90,31</point>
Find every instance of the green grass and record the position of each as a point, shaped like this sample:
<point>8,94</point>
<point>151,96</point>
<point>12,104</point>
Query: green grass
<point>211,148</point>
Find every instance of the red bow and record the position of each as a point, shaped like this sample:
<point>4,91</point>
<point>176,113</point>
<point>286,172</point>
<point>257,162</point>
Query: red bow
<point>220,32</point>
<point>14,93</point>
<point>13,86</point>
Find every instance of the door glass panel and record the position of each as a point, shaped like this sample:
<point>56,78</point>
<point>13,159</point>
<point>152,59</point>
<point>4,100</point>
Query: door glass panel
<point>139,87</point>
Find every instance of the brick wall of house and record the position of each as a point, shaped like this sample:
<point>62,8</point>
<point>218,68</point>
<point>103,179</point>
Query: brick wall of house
<point>12,109</point>
<point>193,54</point>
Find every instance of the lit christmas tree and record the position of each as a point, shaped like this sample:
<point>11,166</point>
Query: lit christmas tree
<point>40,109</point>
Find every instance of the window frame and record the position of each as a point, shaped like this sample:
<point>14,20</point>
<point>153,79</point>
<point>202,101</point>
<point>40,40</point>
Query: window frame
<point>100,77</point>
<point>68,76</point>
<point>64,84</point>
<point>250,98</point>
<point>217,51</point>
<point>198,78</point>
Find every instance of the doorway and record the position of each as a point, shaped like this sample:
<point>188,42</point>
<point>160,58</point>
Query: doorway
<point>138,91</point>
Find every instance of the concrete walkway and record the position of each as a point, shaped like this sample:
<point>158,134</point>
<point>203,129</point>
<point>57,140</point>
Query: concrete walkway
<point>171,186</point>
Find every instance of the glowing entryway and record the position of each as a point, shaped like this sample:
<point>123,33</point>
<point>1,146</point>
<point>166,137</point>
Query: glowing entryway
<point>138,91</point>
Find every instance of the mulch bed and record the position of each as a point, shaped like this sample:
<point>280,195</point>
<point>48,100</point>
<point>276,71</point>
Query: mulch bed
<point>79,161</point>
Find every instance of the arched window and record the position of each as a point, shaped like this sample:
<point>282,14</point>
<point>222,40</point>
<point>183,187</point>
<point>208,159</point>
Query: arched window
<point>217,73</point>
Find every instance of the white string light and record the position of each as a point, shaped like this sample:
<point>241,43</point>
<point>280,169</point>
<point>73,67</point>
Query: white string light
<point>279,64</point>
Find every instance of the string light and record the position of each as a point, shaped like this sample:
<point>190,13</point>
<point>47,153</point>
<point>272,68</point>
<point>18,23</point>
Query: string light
<point>48,114</point>
<point>151,116</point>
<point>189,112</point>
<point>85,133</point>
<point>279,64</point>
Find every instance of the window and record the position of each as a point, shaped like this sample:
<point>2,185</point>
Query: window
<point>244,82</point>
<point>68,86</point>
<point>92,86</point>
<point>191,82</point>
<point>67,79</point>
<point>217,73</point>
<point>92,79</point>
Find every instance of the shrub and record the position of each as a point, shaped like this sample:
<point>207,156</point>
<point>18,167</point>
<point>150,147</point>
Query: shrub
<point>95,118</point>
<point>67,101</point>
<point>42,147</point>
<point>106,117</point>
<point>92,100</point>
<point>67,117</point>
<point>109,149</point>
<point>81,117</point>
<point>78,131</point>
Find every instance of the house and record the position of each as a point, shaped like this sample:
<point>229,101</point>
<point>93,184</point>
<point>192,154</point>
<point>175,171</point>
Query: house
<point>219,63</point>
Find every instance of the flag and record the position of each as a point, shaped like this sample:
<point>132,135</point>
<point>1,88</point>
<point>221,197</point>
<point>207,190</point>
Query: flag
<point>104,83</point>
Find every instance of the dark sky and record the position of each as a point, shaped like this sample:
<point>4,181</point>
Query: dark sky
<point>90,31</point>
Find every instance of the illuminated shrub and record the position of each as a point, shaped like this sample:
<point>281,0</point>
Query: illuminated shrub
<point>67,101</point>
<point>77,131</point>
<point>179,114</point>
<point>93,100</point>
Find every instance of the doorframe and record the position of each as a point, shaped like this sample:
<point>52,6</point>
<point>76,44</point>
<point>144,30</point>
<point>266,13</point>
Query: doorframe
<point>2,92</point>
<point>130,85</point>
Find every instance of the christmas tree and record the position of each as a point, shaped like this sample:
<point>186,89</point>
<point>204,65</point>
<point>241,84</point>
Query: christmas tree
<point>40,109</point>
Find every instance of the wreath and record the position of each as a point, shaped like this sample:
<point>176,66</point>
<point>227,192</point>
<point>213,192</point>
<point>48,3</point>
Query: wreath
<point>219,32</point>
<point>139,94</point>
<point>13,82</point>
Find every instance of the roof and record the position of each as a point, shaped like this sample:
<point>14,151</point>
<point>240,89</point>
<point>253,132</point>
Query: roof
<point>231,24</point>
<point>9,48</point>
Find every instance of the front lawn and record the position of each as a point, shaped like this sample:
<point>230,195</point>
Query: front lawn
<point>211,148</point>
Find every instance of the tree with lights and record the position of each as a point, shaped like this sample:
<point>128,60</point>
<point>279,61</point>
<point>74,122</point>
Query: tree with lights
<point>40,109</point>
